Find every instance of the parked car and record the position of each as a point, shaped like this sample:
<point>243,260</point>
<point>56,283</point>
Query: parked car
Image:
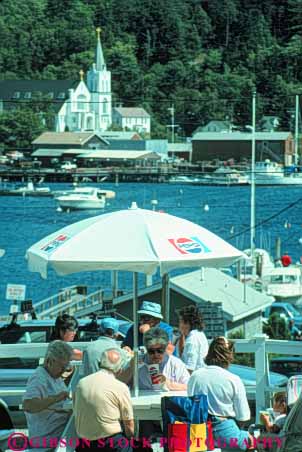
<point>287,365</point>
<point>14,372</point>
<point>38,331</point>
<point>68,166</point>
<point>248,377</point>
<point>287,310</point>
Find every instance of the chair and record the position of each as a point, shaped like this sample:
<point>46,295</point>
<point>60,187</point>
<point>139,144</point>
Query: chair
<point>291,435</point>
<point>294,387</point>
<point>186,418</point>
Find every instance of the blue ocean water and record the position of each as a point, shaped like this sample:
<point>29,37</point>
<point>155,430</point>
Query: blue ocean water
<point>25,220</point>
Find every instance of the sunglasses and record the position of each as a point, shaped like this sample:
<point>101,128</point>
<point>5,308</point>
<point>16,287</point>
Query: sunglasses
<point>146,318</point>
<point>153,351</point>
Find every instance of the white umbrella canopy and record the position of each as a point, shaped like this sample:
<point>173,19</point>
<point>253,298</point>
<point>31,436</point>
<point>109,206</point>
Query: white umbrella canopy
<point>136,240</point>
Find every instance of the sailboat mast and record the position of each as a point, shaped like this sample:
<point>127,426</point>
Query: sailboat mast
<point>297,131</point>
<point>253,200</point>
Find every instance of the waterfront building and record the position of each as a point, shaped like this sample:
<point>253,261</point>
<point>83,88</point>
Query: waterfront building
<point>278,146</point>
<point>78,106</point>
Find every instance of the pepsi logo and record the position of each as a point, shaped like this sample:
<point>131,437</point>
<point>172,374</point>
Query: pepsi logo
<point>189,245</point>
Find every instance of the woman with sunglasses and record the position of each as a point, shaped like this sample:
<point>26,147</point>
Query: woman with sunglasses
<point>172,374</point>
<point>192,346</point>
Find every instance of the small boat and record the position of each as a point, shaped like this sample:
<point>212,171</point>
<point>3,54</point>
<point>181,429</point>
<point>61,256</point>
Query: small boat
<point>272,173</point>
<point>183,180</point>
<point>285,284</point>
<point>27,190</point>
<point>85,198</point>
<point>109,194</point>
<point>224,176</point>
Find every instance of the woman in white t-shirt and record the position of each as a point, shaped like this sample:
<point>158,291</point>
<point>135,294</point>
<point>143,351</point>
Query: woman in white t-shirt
<point>192,346</point>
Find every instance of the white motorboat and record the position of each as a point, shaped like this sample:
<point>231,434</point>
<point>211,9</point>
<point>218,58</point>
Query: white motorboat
<point>272,173</point>
<point>282,283</point>
<point>184,180</point>
<point>224,176</point>
<point>285,284</point>
<point>85,198</point>
<point>109,194</point>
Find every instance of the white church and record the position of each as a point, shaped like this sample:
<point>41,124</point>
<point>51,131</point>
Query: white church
<point>89,105</point>
<point>79,106</point>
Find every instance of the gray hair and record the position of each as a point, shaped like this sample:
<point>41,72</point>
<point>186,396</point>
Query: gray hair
<point>156,336</point>
<point>59,350</point>
<point>106,361</point>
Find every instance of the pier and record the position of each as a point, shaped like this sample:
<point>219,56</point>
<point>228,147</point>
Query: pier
<point>156,174</point>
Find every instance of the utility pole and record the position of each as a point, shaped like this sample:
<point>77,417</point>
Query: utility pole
<point>253,199</point>
<point>296,161</point>
<point>172,125</point>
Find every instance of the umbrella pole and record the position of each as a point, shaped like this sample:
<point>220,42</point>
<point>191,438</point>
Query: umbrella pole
<point>135,332</point>
<point>166,297</point>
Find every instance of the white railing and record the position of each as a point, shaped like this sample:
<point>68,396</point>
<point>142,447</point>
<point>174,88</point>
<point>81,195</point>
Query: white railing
<point>69,301</point>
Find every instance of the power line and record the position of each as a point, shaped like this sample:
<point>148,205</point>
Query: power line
<point>267,220</point>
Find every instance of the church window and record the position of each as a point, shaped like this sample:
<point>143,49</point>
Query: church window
<point>16,95</point>
<point>27,95</point>
<point>81,102</point>
<point>61,95</point>
<point>105,105</point>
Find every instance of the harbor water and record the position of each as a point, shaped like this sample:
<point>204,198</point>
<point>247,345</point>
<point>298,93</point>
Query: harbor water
<point>223,210</point>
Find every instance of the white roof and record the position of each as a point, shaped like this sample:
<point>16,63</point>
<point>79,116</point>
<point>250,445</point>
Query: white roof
<point>49,152</point>
<point>103,154</point>
<point>240,136</point>
<point>217,287</point>
<point>285,271</point>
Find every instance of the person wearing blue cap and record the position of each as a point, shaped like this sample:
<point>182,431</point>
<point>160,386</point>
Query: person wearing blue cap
<point>150,316</point>
<point>92,355</point>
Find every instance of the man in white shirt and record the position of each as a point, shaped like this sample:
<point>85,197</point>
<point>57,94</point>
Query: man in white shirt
<point>227,399</point>
<point>44,397</point>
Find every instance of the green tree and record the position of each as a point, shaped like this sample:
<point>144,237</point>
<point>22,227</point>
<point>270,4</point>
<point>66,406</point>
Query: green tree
<point>276,327</point>
<point>126,73</point>
<point>20,127</point>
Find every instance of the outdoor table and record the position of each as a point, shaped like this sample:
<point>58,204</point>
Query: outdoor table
<point>146,406</point>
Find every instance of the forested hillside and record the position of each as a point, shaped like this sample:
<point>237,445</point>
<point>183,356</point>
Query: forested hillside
<point>203,56</point>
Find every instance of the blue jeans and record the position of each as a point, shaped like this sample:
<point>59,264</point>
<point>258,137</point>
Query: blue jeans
<point>228,435</point>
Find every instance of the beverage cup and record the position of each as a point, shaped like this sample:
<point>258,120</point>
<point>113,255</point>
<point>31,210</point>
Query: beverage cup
<point>266,413</point>
<point>154,372</point>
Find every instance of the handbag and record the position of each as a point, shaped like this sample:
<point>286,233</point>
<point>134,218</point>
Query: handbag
<point>185,424</point>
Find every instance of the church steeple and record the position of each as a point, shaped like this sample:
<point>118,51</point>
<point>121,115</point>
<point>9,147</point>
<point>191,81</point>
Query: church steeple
<point>99,57</point>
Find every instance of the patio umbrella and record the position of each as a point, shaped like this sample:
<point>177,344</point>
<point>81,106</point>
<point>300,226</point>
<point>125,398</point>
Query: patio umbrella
<point>135,240</point>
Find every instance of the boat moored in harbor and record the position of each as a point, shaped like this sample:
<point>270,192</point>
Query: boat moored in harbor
<point>84,198</point>
<point>271,173</point>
